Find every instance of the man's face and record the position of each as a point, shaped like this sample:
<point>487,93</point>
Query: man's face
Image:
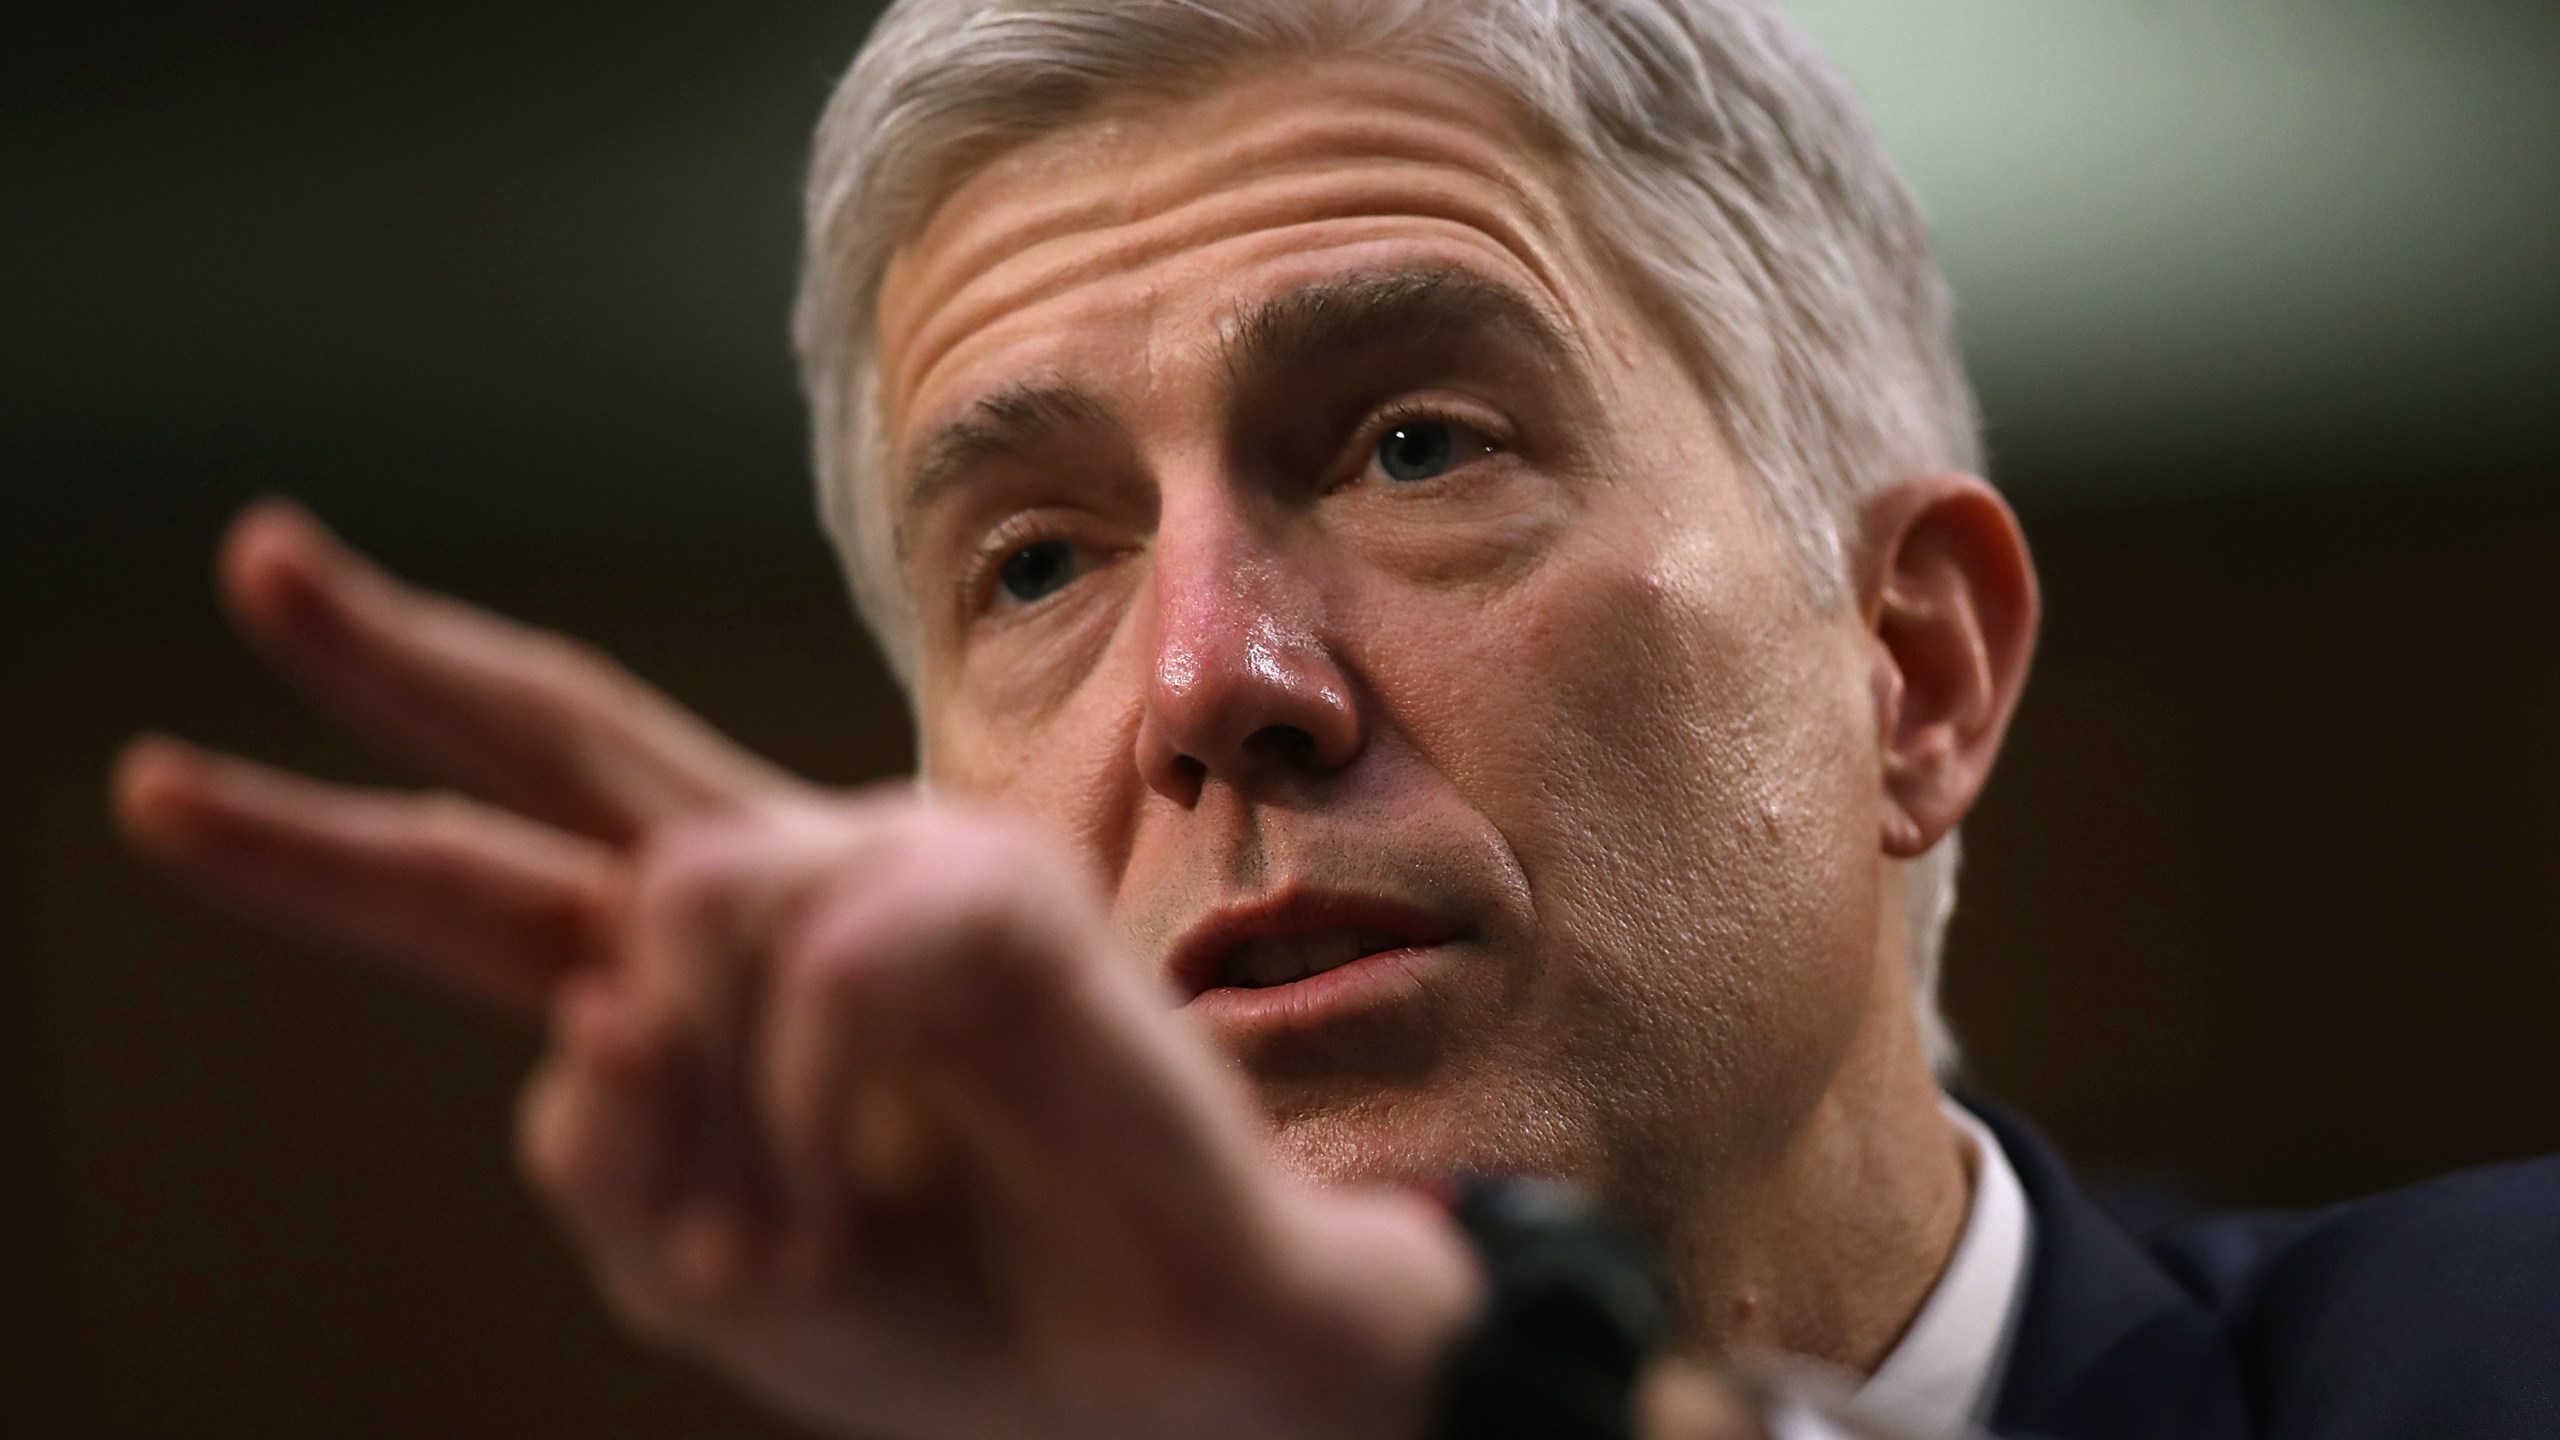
<point>1309,527</point>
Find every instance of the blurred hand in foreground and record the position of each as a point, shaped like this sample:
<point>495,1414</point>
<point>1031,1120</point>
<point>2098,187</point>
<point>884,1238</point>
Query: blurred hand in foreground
<point>854,1096</point>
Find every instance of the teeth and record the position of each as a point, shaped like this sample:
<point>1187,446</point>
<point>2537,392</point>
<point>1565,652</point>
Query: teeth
<point>1279,959</point>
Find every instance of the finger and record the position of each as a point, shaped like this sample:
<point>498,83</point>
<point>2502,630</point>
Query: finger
<point>688,956</point>
<point>842,1099</point>
<point>529,718</point>
<point>976,971</point>
<point>710,900</point>
<point>710,897</point>
<point>471,896</point>
<point>601,1137</point>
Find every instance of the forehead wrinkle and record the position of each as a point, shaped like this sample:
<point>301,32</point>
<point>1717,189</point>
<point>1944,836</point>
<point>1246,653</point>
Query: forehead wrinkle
<point>1021,284</point>
<point>1136,189</point>
<point>1063,243</point>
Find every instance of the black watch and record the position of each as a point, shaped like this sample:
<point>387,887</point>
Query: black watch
<point>1576,1304</point>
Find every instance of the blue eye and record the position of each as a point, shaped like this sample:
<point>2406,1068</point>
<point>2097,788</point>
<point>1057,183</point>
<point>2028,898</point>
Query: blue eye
<point>1423,450</point>
<point>1037,571</point>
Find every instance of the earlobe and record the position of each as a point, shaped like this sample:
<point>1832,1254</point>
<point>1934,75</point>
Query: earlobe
<point>1949,595</point>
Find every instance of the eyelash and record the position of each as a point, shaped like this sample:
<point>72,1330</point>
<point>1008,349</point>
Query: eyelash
<point>1421,412</point>
<point>978,582</point>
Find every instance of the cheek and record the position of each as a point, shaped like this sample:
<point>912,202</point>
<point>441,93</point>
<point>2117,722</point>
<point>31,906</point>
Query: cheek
<point>1681,760</point>
<point>1067,769</point>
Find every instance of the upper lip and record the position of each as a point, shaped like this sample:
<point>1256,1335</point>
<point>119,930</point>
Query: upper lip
<point>1194,962</point>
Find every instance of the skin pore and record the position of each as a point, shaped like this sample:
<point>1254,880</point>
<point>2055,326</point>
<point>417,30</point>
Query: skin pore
<point>1296,503</point>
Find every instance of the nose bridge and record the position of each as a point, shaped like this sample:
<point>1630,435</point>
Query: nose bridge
<point>1244,685</point>
<point>1219,599</point>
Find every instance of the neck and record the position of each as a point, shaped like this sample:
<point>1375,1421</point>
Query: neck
<point>1831,1246</point>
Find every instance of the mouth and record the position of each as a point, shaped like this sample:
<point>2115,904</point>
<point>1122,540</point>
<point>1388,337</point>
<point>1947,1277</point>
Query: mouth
<point>1268,960</point>
<point>1293,938</point>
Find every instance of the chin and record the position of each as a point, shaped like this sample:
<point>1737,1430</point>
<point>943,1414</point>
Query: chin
<point>1415,1137</point>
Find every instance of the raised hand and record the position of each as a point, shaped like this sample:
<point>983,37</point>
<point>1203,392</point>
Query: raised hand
<point>881,1121</point>
<point>856,1097</point>
<point>583,757</point>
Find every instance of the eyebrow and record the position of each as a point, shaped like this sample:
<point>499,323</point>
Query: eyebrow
<point>1326,320</point>
<point>1003,422</point>
<point>1345,314</point>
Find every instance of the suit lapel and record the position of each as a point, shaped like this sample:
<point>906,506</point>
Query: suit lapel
<point>2108,1346</point>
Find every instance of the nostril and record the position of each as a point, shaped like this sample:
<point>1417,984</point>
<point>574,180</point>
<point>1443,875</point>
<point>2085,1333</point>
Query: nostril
<point>1287,745</point>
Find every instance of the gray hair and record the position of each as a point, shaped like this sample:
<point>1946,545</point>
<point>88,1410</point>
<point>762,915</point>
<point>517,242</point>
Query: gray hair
<point>1726,166</point>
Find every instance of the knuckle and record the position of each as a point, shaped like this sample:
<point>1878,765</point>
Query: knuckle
<point>963,903</point>
<point>703,862</point>
<point>690,869</point>
<point>970,908</point>
<point>834,972</point>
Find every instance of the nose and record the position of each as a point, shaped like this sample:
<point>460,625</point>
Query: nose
<point>1244,690</point>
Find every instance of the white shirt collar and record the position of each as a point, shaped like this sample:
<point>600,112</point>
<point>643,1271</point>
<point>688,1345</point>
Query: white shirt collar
<point>1945,1373</point>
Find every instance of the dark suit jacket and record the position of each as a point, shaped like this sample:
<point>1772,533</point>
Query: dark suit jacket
<point>2433,1313</point>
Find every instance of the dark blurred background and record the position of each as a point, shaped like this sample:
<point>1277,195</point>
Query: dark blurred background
<point>2258,913</point>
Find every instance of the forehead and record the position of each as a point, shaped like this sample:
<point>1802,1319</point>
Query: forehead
<point>1085,254</point>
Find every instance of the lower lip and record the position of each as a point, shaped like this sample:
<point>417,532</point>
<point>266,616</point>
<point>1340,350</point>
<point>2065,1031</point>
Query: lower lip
<point>1376,981</point>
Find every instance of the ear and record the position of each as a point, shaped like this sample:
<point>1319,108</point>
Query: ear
<point>1948,592</point>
